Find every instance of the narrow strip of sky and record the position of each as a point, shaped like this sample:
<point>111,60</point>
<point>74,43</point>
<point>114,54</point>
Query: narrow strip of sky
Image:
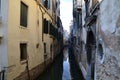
<point>66,13</point>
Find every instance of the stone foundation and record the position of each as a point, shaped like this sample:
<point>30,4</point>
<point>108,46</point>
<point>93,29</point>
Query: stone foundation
<point>35,72</point>
<point>109,69</point>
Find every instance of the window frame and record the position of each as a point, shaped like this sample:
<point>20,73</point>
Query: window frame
<point>45,49</point>
<point>25,23</point>
<point>23,54</point>
<point>46,26</point>
<point>46,5</point>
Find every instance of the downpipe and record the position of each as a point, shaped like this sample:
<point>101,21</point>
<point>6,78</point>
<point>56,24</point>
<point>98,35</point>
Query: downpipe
<point>27,67</point>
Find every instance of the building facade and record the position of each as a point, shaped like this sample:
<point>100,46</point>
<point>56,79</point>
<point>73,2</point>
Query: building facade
<point>99,39</point>
<point>28,40</point>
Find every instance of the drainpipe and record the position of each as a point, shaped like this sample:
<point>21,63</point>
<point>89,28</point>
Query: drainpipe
<point>42,20</point>
<point>27,67</point>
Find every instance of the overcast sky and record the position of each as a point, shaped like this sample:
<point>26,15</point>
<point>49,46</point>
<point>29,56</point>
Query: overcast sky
<point>66,13</point>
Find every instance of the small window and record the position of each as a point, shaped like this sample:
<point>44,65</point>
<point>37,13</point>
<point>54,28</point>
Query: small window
<point>23,51</point>
<point>45,26</point>
<point>100,51</point>
<point>44,47</point>
<point>23,14</point>
<point>46,3</point>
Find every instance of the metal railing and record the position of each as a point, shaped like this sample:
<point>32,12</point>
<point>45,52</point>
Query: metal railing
<point>2,75</point>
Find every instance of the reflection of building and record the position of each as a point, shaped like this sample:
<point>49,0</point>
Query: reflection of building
<point>99,38</point>
<point>66,37</point>
<point>28,37</point>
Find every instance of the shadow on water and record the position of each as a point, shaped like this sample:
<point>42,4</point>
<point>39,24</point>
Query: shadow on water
<point>63,67</point>
<point>75,71</point>
<point>55,71</point>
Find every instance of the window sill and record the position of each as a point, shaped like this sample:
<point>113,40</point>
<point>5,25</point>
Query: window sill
<point>22,27</point>
<point>23,61</point>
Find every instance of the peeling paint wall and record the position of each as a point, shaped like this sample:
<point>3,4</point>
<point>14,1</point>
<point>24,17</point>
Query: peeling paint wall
<point>108,30</point>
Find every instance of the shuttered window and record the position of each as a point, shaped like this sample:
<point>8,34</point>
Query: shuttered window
<point>53,31</point>
<point>45,26</point>
<point>44,47</point>
<point>46,3</point>
<point>50,32</point>
<point>23,14</point>
<point>23,51</point>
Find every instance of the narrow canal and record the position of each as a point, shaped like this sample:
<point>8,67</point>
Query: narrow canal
<point>64,67</point>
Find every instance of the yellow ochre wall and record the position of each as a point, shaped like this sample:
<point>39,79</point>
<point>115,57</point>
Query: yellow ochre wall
<point>32,35</point>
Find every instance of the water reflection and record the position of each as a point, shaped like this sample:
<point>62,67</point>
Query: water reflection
<point>66,67</point>
<point>63,68</point>
<point>76,73</point>
<point>55,71</point>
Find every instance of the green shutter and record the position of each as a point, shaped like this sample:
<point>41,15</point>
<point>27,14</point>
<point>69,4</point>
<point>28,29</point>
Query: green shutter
<point>23,14</point>
<point>45,26</point>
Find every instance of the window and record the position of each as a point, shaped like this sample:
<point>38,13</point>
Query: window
<point>45,26</point>
<point>42,1</point>
<point>46,3</point>
<point>44,47</point>
<point>100,51</point>
<point>23,51</point>
<point>23,14</point>
<point>53,31</point>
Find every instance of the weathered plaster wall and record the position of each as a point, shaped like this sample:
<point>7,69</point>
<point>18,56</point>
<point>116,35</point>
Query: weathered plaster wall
<point>108,30</point>
<point>3,32</point>
<point>32,35</point>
